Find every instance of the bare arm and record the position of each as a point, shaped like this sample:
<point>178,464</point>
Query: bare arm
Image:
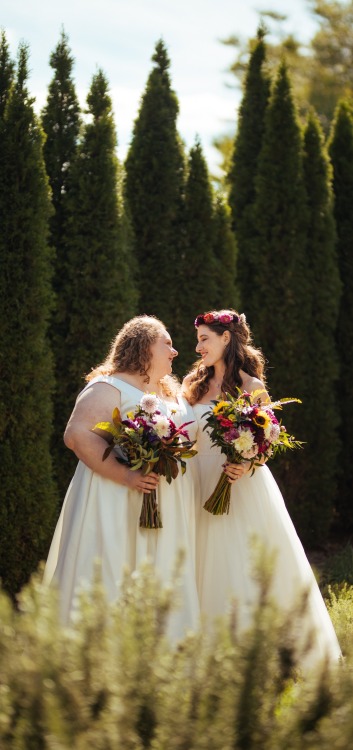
<point>96,404</point>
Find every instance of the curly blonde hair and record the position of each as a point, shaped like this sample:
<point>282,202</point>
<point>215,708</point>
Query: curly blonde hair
<point>130,351</point>
<point>239,354</point>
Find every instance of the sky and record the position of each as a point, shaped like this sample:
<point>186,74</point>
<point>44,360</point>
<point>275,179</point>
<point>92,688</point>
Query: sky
<point>119,37</point>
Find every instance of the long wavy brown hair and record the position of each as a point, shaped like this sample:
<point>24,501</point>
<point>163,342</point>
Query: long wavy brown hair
<point>239,354</point>
<point>130,352</point>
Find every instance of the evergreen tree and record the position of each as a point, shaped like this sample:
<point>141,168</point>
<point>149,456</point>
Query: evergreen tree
<point>341,153</point>
<point>6,72</point>
<point>99,293</point>
<point>61,123</point>
<point>225,251</point>
<point>28,498</point>
<point>321,454</point>
<point>199,272</point>
<point>281,281</point>
<point>153,191</point>
<point>242,175</point>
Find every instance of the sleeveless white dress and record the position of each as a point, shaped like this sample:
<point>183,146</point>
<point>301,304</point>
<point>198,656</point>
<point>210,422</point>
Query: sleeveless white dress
<point>225,549</point>
<point>100,521</point>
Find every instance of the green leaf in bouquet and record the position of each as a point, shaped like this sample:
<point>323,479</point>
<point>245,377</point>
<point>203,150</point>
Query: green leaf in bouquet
<point>189,453</point>
<point>278,404</point>
<point>183,465</point>
<point>136,464</point>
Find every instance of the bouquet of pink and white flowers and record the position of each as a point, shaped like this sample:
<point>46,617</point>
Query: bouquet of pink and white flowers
<point>151,441</point>
<point>245,429</point>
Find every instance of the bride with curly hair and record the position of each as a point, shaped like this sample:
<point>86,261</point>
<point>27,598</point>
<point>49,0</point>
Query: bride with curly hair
<point>100,516</point>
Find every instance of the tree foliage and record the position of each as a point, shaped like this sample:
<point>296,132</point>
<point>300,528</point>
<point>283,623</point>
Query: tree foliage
<point>321,70</point>
<point>341,153</point>
<point>28,496</point>
<point>331,50</point>
<point>6,72</point>
<point>225,251</point>
<point>153,191</point>
<point>99,293</point>
<point>243,172</point>
<point>61,124</point>
<point>321,457</point>
<point>281,307</point>
<point>198,271</point>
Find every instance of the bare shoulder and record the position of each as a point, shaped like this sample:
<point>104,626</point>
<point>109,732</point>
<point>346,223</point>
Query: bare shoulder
<point>187,380</point>
<point>98,400</point>
<point>252,384</point>
<point>99,392</point>
<point>185,386</point>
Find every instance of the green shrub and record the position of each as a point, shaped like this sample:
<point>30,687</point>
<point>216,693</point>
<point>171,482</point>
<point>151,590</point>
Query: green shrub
<point>339,568</point>
<point>113,680</point>
<point>340,606</point>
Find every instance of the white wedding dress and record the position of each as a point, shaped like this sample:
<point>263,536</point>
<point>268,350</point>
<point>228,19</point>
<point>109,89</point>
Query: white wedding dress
<point>225,549</point>
<point>100,521</point>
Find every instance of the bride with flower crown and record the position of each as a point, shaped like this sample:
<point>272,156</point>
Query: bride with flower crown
<point>225,543</point>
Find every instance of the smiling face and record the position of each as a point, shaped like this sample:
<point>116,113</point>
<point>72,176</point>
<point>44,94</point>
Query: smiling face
<point>211,346</point>
<point>162,355</point>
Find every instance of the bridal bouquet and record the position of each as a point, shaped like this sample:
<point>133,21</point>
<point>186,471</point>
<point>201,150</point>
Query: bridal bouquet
<point>245,430</point>
<point>148,440</point>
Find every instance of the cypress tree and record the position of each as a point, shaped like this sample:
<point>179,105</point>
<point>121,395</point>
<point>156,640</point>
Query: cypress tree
<point>244,167</point>
<point>341,153</point>
<point>61,124</point>
<point>198,269</point>
<point>281,281</point>
<point>6,72</point>
<point>28,498</point>
<point>321,453</point>
<point>225,251</point>
<point>153,191</point>
<point>99,294</point>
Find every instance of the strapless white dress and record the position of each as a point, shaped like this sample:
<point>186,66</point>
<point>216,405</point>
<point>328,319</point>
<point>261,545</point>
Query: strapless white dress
<point>225,549</point>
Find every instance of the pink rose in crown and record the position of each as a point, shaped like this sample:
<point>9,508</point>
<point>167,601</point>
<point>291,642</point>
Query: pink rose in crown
<point>208,318</point>
<point>225,318</point>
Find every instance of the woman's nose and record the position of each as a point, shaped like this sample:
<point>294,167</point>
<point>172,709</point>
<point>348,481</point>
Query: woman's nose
<point>174,352</point>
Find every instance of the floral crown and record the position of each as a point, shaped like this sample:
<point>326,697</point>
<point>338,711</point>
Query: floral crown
<point>219,318</point>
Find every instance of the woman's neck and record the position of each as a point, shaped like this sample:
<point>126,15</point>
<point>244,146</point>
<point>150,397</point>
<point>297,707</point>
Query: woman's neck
<point>153,386</point>
<point>219,370</point>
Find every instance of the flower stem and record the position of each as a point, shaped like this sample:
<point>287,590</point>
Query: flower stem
<point>218,503</point>
<point>150,517</point>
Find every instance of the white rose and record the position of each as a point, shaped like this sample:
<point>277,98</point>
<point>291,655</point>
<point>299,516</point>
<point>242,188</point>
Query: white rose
<point>161,426</point>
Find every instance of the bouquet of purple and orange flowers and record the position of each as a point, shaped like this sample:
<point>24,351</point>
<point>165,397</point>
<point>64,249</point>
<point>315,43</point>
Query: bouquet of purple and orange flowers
<point>245,429</point>
<point>151,441</point>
